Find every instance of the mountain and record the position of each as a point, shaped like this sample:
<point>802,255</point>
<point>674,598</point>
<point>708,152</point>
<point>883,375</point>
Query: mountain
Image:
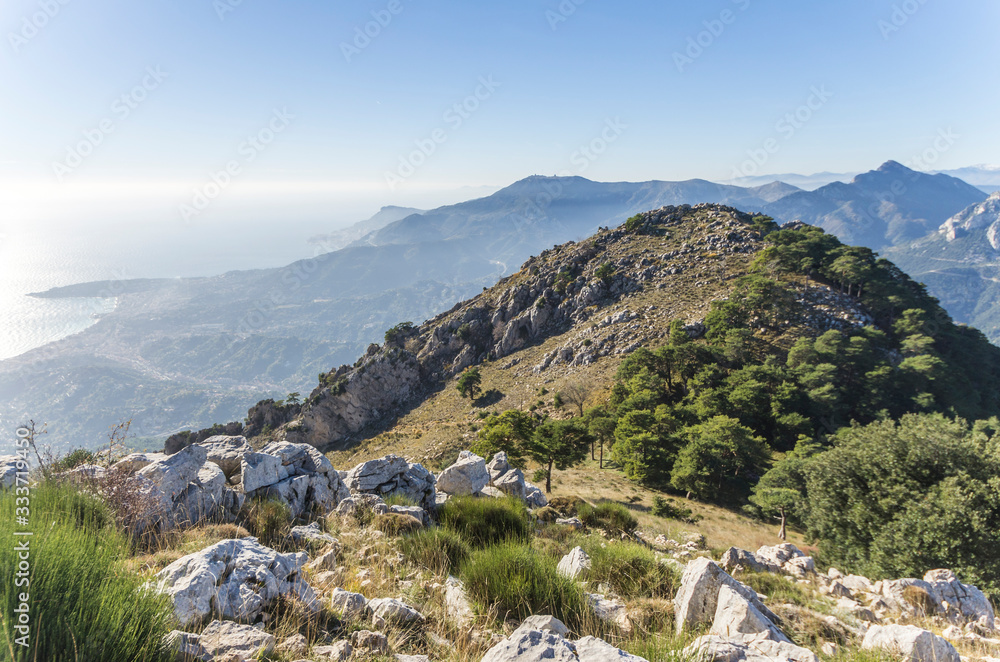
<point>183,353</point>
<point>341,238</point>
<point>880,208</point>
<point>806,182</point>
<point>960,264</point>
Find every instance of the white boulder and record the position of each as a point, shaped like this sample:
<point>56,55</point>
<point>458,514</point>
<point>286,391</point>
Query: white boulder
<point>913,643</point>
<point>467,476</point>
<point>574,564</point>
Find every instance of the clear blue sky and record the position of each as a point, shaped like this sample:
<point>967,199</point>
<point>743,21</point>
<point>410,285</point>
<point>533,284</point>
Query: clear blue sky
<point>558,87</point>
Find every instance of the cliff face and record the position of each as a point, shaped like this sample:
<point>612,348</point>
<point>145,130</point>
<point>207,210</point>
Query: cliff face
<point>561,289</point>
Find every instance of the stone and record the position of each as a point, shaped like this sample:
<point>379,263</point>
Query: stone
<point>259,470</point>
<point>511,483</point>
<point>8,470</point>
<point>592,649</point>
<point>370,641</point>
<point>532,646</point>
<point>362,501</point>
<point>340,651</point>
<point>800,566</point>
<point>534,496</point>
<point>226,452</point>
<point>610,610</point>
<point>294,646</point>
<point>838,590</point>
<point>467,476</point>
<point>830,649</point>
<point>327,560</point>
<point>746,648</point>
<point>735,615</point>
<point>233,579</point>
<point>697,599</point>
<point>498,466</point>
<point>456,601</point>
<point>734,557</point>
<point>970,602</point>
<point>168,481</point>
<point>412,658</point>
<point>856,583</point>
<point>574,564</point>
<point>778,555</point>
<point>350,606</point>
<point>226,638</point>
<point>416,512</point>
<point>312,534</point>
<point>545,624</point>
<point>390,611</point>
<point>133,462</point>
<point>297,474</point>
<point>573,522</point>
<point>186,646</point>
<point>392,474</point>
<point>913,643</point>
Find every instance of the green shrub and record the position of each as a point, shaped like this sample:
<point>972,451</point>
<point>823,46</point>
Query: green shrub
<point>516,582</point>
<point>73,459</point>
<point>396,524</point>
<point>610,516</point>
<point>484,521</point>
<point>269,520</point>
<point>668,509</point>
<point>83,605</point>
<point>438,549</point>
<point>631,571</point>
<point>605,272</point>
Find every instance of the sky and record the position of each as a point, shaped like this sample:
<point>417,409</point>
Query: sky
<point>206,105</point>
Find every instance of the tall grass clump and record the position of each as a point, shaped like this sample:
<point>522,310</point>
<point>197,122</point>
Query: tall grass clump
<point>269,520</point>
<point>440,550</point>
<point>631,571</point>
<point>484,522</point>
<point>610,516</point>
<point>514,581</point>
<point>83,604</point>
<point>776,587</point>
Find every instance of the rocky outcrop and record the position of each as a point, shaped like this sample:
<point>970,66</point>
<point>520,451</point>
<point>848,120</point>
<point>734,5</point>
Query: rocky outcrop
<point>734,614</point>
<point>183,489</point>
<point>467,476</point>
<point>531,645</point>
<point>456,601</point>
<point>390,611</point>
<point>983,217</point>
<point>181,440</point>
<point>297,474</point>
<point>221,639</point>
<point>8,470</point>
<point>574,564</point>
<point>938,593</point>
<point>351,606</point>
<point>393,475</point>
<point>746,648</point>
<point>913,643</point>
<point>233,579</point>
<point>698,597</point>
<point>735,558</point>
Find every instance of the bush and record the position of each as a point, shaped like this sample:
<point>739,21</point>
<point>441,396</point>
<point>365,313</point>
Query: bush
<point>486,521</point>
<point>612,517</point>
<point>516,582</point>
<point>73,459</point>
<point>438,549</point>
<point>83,605</point>
<point>269,520</point>
<point>567,505</point>
<point>631,571</point>
<point>667,509</point>
<point>395,524</point>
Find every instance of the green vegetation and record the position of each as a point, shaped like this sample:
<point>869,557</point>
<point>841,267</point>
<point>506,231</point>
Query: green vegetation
<point>668,509</point>
<point>83,604</point>
<point>514,581</point>
<point>398,333</point>
<point>612,517</point>
<point>484,522</point>
<point>605,272</point>
<point>269,520</point>
<point>438,549</point>
<point>631,571</point>
<point>469,383</point>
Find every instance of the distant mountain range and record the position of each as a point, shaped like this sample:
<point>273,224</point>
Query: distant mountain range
<point>183,353</point>
<point>984,177</point>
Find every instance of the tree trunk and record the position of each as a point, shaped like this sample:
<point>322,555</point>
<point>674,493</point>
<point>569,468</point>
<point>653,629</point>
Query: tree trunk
<point>782,533</point>
<point>601,466</point>
<point>548,478</point>
<point>592,449</point>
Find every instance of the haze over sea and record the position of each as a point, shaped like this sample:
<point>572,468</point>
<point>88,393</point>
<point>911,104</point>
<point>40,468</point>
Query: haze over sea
<point>45,248</point>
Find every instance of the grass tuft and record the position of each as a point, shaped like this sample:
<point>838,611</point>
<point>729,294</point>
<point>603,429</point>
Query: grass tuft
<point>609,516</point>
<point>486,521</point>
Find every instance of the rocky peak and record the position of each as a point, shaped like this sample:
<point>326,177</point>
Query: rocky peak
<point>982,216</point>
<point>560,289</point>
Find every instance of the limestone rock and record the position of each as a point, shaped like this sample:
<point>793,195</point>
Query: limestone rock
<point>573,522</point>
<point>389,611</point>
<point>234,579</point>
<point>697,599</point>
<point>294,646</point>
<point>592,649</point>
<point>467,476</point>
<point>392,474</point>
<point>362,501</point>
<point>913,643</point>
<point>734,557</point>
<point>8,471</point>
<point>498,466</point>
<point>367,640</point>
<point>186,646</point>
<point>534,496</point>
<point>511,483</point>
<point>968,600</point>
<point>134,461</point>
<point>574,564</point>
<point>340,651</point>
<point>351,606</point>
<point>610,610</point>
<point>735,615</point>
<point>227,452</point>
<point>532,646</point>
<point>226,638</point>
<point>327,560</point>
<point>457,603</point>
<point>545,624</point>
<point>746,648</point>
<point>312,534</point>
